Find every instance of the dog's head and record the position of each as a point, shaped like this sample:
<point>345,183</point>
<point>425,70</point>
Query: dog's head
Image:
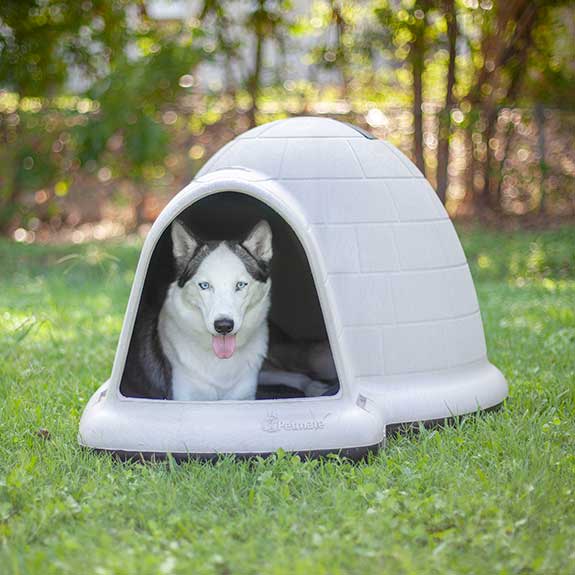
<point>227,281</point>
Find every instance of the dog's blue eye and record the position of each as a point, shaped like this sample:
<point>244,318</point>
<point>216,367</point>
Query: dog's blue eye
<point>204,285</point>
<point>241,285</point>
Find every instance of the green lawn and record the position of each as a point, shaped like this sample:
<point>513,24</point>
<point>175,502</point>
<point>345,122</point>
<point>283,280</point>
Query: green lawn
<point>494,494</point>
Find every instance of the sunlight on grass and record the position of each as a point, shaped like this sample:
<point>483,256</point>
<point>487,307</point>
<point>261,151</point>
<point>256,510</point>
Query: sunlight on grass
<point>491,494</point>
<point>484,261</point>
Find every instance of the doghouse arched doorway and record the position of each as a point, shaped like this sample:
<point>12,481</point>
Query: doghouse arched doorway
<point>300,363</point>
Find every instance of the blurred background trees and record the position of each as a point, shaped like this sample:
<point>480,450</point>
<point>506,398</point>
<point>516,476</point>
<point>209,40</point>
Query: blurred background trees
<point>108,107</point>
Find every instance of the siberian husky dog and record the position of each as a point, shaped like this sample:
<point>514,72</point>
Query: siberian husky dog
<point>212,326</point>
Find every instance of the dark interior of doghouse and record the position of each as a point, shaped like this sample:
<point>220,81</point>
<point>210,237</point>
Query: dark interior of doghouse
<point>299,362</point>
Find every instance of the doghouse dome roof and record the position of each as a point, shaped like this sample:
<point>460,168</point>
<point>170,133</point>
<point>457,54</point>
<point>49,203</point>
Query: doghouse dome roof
<point>402,286</point>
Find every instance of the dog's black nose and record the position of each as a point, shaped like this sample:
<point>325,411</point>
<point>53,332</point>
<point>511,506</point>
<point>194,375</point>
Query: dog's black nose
<point>224,325</point>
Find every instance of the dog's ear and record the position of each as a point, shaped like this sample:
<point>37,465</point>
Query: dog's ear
<point>184,243</point>
<point>259,241</point>
<point>257,251</point>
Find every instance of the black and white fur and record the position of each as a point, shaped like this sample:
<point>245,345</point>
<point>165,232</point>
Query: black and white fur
<point>221,287</point>
<point>171,353</point>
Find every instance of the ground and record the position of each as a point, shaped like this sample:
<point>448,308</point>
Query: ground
<point>492,494</point>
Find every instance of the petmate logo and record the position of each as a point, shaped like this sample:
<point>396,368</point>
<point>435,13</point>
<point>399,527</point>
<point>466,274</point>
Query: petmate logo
<point>274,423</point>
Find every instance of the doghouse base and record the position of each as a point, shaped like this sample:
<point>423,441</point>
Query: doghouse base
<point>352,427</point>
<point>144,428</point>
<point>436,396</point>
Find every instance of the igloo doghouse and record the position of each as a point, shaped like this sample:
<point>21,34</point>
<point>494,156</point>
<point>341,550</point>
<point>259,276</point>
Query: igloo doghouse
<point>367,269</point>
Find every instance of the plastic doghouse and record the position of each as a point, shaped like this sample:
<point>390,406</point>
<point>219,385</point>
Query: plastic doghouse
<point>367,258</point>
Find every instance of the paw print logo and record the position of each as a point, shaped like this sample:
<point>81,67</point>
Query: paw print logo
<point>271,423</point>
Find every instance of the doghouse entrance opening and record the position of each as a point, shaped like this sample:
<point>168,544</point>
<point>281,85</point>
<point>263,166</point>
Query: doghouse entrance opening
<point>299,362</point>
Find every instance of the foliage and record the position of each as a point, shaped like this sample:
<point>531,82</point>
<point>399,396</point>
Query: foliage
<point>133,63</point>
<point>151,85</point>
<point>266,21</point>
<point>551,61</point>
<point>100,94</point>
<point>492,494</point>
<point>43,41</point>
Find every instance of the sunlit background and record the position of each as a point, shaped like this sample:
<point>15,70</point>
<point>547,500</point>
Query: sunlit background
<point>109,107</point>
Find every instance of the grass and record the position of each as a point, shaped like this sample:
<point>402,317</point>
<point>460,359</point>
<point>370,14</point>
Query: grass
<point>493,494</point>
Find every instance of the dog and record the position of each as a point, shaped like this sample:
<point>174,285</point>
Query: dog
<point>202,333</point>
<point>212,328</point>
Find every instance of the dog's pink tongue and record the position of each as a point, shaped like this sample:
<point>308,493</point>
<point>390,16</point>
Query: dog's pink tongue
<point>224,345</point>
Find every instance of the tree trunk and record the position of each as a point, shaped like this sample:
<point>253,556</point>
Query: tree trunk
<point>444,130</point>
<point>254,84</point>
<point>509,134</point>
<point>9,187</point>
<point>514,57</point>
<point>417,65</point>
<point>486,199</point>
<point>469,197</point>
<point>498,49</point>
<point>340,26</point>
<point>540,119</point>
<point>514,87</point>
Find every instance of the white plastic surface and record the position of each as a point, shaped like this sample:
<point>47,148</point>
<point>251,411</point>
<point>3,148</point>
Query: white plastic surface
<point>248,427</point>
<point>398,300</point>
